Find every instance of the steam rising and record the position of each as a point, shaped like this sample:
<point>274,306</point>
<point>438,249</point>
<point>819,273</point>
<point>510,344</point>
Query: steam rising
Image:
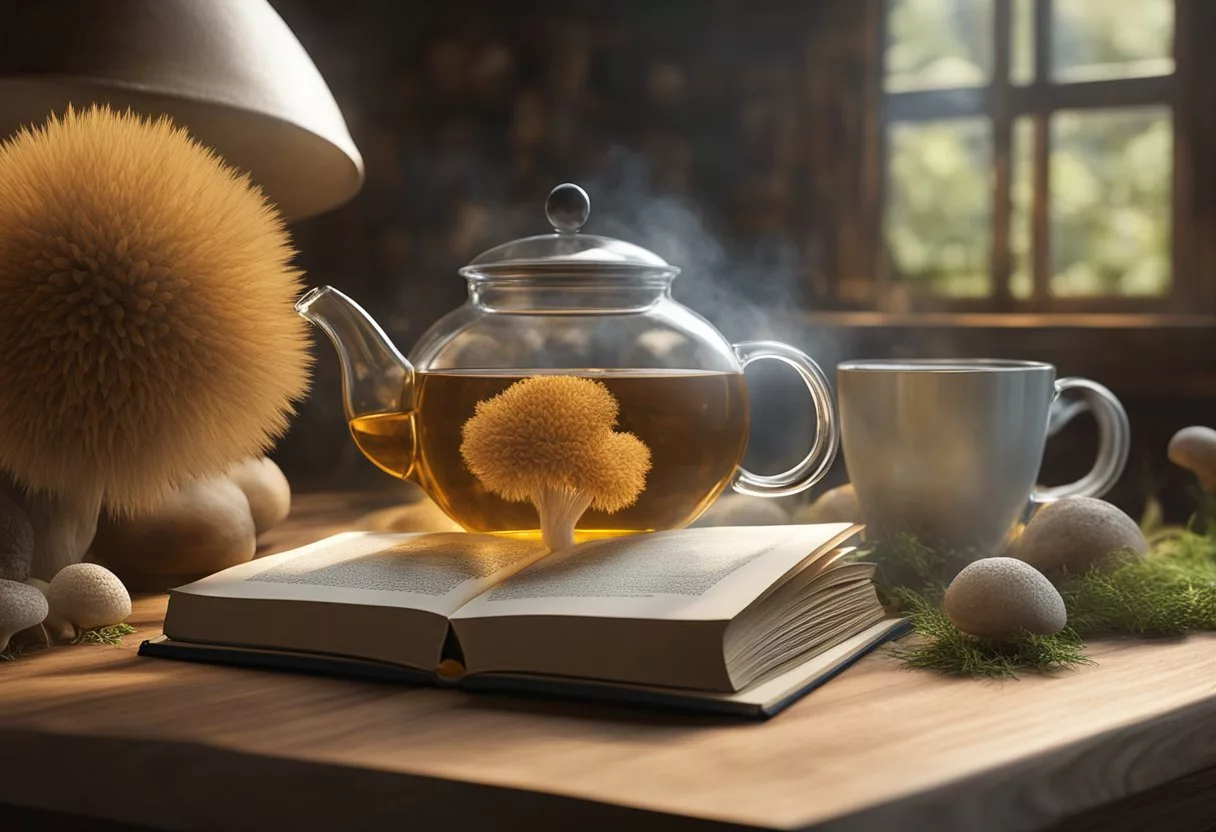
<point>745,292</point>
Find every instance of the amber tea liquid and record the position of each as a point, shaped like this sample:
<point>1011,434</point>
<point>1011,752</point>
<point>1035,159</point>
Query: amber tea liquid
<point>695,424</point>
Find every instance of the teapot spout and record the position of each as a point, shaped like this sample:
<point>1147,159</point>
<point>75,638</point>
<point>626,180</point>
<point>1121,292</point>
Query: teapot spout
<point>376,378</point>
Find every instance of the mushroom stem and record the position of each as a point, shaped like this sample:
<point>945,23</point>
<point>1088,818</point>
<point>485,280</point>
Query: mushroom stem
<point>64,526</point>
<point>559,510</point>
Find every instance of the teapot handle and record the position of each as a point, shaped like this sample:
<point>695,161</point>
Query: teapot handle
<point>816,463</point>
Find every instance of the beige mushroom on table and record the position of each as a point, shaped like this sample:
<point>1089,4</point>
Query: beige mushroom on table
<point>88,595</point>
<point>1194,449</point>
<point>168,346</point>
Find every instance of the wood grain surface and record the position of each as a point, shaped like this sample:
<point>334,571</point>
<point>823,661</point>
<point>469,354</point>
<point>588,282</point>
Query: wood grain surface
<point>99,731</point>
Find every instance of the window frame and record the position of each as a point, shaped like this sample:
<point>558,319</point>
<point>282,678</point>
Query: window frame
<point>1002,102</point>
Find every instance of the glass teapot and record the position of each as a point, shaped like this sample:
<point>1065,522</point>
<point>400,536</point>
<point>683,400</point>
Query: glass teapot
<point>567,303</point>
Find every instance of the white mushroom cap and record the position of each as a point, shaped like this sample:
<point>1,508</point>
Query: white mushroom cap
<point>1194,449</point>
<point>89,595</point>
<point>21,606</point>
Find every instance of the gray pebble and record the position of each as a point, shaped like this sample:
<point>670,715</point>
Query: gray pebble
<point>994,597</point>
<point>1076,533</point>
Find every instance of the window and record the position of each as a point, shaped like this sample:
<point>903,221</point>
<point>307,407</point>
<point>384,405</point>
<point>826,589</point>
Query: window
<point>1028,153</point>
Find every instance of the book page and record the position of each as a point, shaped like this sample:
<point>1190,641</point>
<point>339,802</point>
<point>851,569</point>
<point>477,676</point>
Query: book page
<point>432,572</point>
<point>694,574</point>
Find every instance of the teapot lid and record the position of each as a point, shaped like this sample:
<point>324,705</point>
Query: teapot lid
<point>568,251</point>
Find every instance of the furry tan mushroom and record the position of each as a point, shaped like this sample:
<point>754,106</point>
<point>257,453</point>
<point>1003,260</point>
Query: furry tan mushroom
<point>1194,449</point>
<point>147,329</point>
<point>550,440</point>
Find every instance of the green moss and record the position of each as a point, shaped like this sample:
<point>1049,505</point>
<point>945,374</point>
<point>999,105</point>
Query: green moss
<point>1173,591</point>
<point>904,563</point>
<point>1203,521</point>
<point>942,647</point>
<point>1170,592</point>
<point>111,635</point>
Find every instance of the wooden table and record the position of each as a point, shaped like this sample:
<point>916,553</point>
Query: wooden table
<point>99,732</point>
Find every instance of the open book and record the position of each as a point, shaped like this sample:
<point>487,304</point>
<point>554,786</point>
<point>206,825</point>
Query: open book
<point>729,619</point>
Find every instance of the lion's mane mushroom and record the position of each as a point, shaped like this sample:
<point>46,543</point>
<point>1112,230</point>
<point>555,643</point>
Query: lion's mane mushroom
<point>147,330</point>
<point>550,439</point>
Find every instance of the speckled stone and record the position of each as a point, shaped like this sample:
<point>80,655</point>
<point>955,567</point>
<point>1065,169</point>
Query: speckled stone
<point>994,597</point>
<point>1076,533</point>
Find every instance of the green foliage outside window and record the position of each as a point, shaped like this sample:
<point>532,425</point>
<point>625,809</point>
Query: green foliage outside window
<point>1110,170</point>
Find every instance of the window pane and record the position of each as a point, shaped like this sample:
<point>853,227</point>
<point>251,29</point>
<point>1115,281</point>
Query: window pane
<point>1094,41</point>
<point>939,205</point>
<point>1110,201</point>
<point>1021,54</point>
<point>1021,193</point>
<point>938,44</point>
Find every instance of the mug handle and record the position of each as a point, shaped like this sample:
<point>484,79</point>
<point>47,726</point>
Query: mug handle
<point>1114,440</point>
<point>816,463</point>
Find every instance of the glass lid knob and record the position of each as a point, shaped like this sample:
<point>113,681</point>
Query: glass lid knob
<point>567,207</point>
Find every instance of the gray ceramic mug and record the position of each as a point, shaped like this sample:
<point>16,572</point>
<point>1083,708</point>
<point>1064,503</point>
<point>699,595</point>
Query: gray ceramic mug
<point>950,450</point>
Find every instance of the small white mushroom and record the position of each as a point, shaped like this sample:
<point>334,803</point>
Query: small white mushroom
<point>267,490</point>
<point>21,606</point>
<point>1194,449</point>
<point>836,506</point>
<point>994,597</point>
<point>89,595</point>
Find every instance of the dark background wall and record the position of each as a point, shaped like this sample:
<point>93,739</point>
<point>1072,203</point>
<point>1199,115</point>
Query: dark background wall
<point>732,138</point>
